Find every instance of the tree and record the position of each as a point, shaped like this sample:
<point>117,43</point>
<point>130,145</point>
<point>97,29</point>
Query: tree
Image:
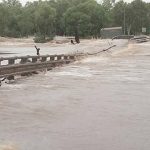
<point>81,18</point>
<point>119,11</point>
<point>136,16</point>
<point>11,11</point>
<point>45,19</point>
<point>85,19</point>
<point>61,8</point>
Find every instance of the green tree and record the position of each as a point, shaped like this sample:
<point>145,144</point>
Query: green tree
<point>45,19</point>
<point>136,16</point>
<point>13,9</point>
<point>118,14</point>
<point>85,19</point>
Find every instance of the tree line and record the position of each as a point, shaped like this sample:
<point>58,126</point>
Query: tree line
<point>84,18</point>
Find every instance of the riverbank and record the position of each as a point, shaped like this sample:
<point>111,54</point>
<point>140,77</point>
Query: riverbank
<point>7,41</point>
<point>21,48</point>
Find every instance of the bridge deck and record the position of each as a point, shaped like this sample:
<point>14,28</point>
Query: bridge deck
<point>32,63</point>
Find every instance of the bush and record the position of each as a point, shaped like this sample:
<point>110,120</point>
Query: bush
<point>39,39</point>
<point>42,39</point>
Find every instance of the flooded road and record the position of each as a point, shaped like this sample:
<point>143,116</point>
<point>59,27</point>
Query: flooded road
<point>99,103</point>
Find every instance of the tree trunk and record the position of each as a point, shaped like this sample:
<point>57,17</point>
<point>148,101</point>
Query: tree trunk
<point>77,37</point>
<point>129,29</point>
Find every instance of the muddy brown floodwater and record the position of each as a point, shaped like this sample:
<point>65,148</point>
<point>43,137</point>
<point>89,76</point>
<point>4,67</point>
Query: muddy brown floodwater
<point>99,103</point>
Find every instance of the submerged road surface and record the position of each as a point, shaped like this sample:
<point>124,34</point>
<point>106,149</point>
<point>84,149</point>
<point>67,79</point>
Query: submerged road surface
<point>99,103</point>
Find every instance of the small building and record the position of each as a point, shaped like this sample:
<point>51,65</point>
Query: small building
<point>108,33</point>
<point>148,30</point>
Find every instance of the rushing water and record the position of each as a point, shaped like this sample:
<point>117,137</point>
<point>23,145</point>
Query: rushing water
<point>99,103</point>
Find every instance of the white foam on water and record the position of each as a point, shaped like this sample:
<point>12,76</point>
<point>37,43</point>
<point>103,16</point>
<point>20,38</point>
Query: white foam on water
<point>95,59</point>
<point>47,86</point>
<point>76,71</point>
<point>13,86</point>
<point>132,79</point>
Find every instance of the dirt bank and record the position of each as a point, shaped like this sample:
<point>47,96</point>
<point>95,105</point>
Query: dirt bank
<point>7,41</point>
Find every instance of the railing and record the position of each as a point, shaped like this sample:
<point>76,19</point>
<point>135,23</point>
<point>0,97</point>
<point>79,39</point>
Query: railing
<point>28,64</point>
<point>24,64</point>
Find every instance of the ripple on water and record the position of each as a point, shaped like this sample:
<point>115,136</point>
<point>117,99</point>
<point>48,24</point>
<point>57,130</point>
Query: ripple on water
<point>12,86</point>
<point>95,59</point>
<point>8,147</point>
<point>76,71</point>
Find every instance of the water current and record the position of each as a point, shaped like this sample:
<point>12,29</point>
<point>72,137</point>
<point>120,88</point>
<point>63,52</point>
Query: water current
<point>98,103</point>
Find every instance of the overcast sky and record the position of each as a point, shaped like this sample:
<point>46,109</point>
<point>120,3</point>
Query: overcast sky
<point>24,1</point>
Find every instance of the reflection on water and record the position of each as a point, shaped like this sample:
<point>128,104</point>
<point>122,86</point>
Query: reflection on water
<point>98,103</point>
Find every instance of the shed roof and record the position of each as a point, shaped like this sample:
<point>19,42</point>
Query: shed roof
<point>112,28</point>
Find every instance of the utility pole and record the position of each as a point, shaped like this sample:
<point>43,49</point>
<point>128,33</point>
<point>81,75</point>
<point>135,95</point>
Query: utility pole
<point>124,21</point>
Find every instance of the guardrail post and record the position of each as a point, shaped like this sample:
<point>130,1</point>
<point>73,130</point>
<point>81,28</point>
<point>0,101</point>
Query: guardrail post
<point>34,59</point>
<point>25,68</point>
<point>1,59</point>
<point>24,60</point>
<point>11,61</point>
<point>52,58</point>
<point>44,59</point>
<point>59,57</point>
<point>72,57</point>
<point>65,57</point>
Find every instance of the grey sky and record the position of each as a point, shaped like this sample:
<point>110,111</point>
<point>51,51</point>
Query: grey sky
<point>24,1</point>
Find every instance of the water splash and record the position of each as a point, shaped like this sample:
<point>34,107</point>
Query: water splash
<point>78,72</point>
<point>95,59</point>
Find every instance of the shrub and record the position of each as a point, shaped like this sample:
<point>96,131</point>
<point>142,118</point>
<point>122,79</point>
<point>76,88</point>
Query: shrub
<point>42,39</point>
